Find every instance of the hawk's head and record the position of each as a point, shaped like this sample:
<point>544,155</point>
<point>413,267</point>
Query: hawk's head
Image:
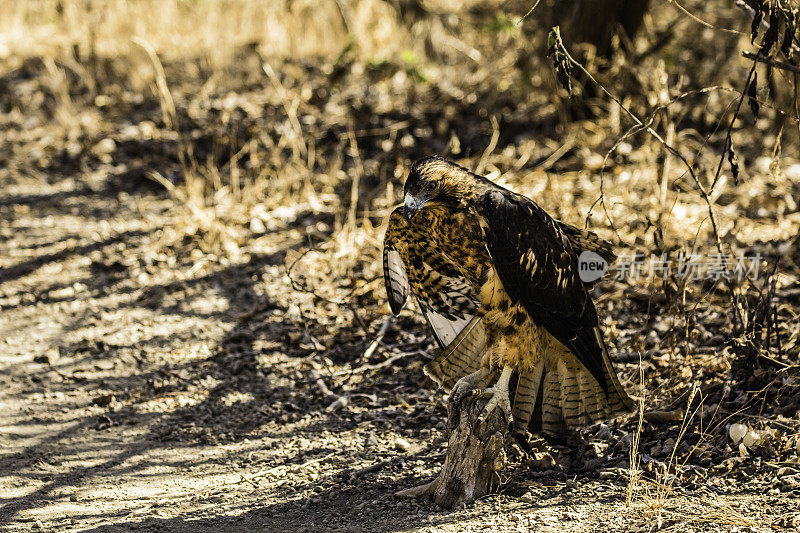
<point>435,183</point>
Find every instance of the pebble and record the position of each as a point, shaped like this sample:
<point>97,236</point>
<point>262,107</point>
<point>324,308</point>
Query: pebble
<point>49,357</point>
<point>103,400</point>
<point>104,147</point>
<point>372,441</point>
<point>737,432</point>
<point>751,439</point>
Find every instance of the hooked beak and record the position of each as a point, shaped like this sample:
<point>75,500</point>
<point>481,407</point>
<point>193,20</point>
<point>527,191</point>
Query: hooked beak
<point>410,207</point>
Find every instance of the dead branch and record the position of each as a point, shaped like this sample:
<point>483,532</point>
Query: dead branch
<point>474,456</point>
<point>365,368</point>
<point>663,417</point>
<point>705,193</point>
<point>772,62</point>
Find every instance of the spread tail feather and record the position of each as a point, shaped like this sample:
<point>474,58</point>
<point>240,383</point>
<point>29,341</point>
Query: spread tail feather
<point>460,358</point>
<point>618,398</point>
<point>560,393</point>
<point>525,396</point>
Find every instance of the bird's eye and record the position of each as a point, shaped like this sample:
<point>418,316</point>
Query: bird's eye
<point>430,187</point>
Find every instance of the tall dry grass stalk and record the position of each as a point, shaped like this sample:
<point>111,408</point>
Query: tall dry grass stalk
<point>659,497</point>
<point>148,34</point>
<point>634,456</point>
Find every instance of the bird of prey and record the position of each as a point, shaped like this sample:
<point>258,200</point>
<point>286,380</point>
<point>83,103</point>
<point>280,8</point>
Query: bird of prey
<point>497,280</point>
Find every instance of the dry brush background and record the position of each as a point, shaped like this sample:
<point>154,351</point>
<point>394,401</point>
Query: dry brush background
<point>192,200</point>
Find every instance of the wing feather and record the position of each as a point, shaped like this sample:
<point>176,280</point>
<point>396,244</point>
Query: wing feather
<point>549,288</point>
<point>394,274</point>
<point>461,357</point>
<point>445,328</point>
<point>411,265</point>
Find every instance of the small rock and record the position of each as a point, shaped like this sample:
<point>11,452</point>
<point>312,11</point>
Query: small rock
<point>48,358</point>
<point>668,446</point>
<point>792,172</point>
<point>751,439</point>
<point>104,147</point>
<point>737,432</point>
<point>105,364</point>
<point>372,441</point>
<point>257,225</point>
<point>103,400</point>
<point>402,444</point>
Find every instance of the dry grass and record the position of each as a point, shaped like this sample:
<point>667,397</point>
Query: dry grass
<point>218,201</point>
<point>451,79</point>
<point>658,495</point>
<point>180,28</point>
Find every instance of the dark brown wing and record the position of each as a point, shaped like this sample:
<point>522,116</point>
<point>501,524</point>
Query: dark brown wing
<point>585,240</point>
<point>538,268</point>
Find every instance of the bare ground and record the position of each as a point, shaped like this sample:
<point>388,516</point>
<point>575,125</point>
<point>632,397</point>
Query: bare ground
<point>138,395</point>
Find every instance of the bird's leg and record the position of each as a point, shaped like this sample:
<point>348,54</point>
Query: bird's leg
<point>498,397</point>
<point>468,383</point>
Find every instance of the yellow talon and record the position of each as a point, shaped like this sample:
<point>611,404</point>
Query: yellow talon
<point>498,397</point>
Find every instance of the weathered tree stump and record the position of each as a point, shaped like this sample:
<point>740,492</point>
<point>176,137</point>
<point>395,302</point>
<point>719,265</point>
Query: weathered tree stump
<point>474,456</point>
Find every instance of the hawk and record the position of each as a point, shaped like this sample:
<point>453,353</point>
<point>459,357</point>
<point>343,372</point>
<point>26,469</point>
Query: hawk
<point>497,279</point>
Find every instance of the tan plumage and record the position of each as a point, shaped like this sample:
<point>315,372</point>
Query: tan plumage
<point>496,278</point>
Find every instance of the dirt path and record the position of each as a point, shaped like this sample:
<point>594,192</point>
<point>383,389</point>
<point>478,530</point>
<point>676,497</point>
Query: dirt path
<point>141,391</point>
